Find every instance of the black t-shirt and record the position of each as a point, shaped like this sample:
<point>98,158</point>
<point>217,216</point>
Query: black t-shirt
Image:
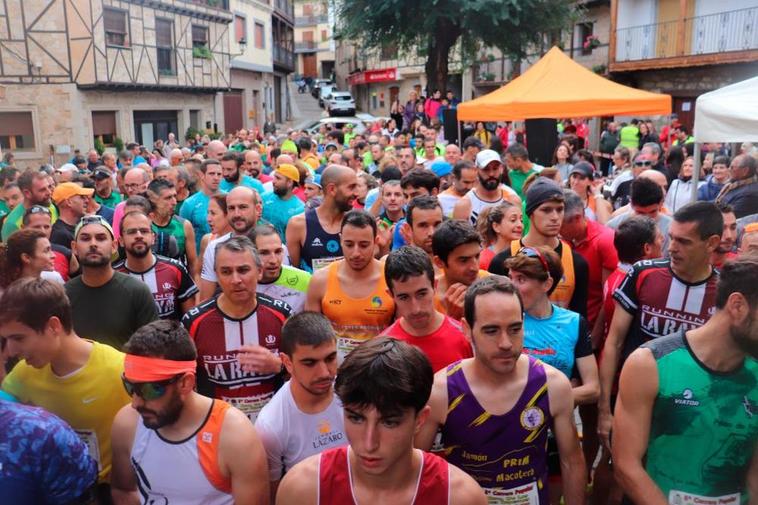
<point>578,301</point>
<point>62,233</point>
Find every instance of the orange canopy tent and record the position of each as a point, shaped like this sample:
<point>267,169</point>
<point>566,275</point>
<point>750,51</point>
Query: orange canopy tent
<point>556,87</point>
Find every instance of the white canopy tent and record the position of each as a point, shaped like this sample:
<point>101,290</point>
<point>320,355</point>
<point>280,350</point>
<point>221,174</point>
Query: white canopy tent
<point>729,114</point>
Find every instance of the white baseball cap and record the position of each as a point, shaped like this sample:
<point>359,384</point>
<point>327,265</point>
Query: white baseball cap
<point>486,157</point>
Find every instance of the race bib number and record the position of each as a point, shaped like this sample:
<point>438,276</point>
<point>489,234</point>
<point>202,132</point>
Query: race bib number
<point>682,498</point>
<point>319,263</point>
<point>345,345</point>
<point>250,406</point>
<point>523,495</point>
<point>89,437</point>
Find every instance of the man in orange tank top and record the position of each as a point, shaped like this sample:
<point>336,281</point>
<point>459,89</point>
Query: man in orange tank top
<point>173,445</point>
<point>352,292</point>
<point>384,386</point>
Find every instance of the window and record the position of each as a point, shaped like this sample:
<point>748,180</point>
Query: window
<point>389,52</point>
<point>259,36</point>
<point>195,119</point>
<point>324,36</point>
<point>240,30</point>
<point>199,36</point>
<point>17,131</point>
<point>308,10</point>
<point>164,40</point>
<point>116,27</point>
<point>585,31</point>
<point>104,126</point>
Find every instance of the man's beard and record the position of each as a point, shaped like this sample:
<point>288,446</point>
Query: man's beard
<point>137,253</point>
<point>746,337</point>
<point>85,261</point>
<point>343,204</point>
<point>168,416</point>
<point>243,222</point>
<point>43,203</point>
<point>489,184</point>
<point>280,191</point>
<point>233,178</point>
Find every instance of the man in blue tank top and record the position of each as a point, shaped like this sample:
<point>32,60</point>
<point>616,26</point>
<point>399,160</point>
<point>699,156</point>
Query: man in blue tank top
<point>499,434</point>
<point>313,237</point>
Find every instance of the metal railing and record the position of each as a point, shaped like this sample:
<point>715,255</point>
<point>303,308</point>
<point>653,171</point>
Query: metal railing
<point>285,7</point>
<point>311,20</point>
<point>735,30</point>
<point>305,45</point>
<point>218,4</point>
<point>284,57</point>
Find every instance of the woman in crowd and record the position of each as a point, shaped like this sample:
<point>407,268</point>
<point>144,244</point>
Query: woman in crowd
<point>561,161</point>
<point>498,225</point>
<point>646,134</point>
<point>582,181</point>
<point>679,193</point>
<point>27,253</point>
<point>483,134</point>
<point>216,220</point>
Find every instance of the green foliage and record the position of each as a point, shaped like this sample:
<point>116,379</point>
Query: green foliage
<point>118,143</point>
<point>216,135</point>
<point>99,146</point>
<point>191,133</point>
<point>201,52</point>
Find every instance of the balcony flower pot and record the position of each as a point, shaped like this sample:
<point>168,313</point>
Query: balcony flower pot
<point>201,52</point>
<point>591,42</point>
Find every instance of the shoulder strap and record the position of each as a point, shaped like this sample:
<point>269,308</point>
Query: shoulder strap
<point>515,247</point>
<point>208,439</point>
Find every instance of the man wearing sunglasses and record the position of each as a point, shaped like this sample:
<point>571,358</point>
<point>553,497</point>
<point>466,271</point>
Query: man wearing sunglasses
<point>75,379</point>
<point>173,445</point>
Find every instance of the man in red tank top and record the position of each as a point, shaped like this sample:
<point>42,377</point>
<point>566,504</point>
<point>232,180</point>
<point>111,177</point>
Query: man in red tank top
<point>384,385</point>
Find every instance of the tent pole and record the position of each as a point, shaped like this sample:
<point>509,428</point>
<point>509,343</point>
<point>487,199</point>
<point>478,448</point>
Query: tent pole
<point>695,171</point>
<point>460,140</point>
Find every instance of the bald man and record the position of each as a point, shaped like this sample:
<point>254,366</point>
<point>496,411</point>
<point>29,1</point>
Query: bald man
<point>253,166</point>
<point>175,157</point>
<point>452,154</point>
<point>313,237</point>
<point>216,150</point>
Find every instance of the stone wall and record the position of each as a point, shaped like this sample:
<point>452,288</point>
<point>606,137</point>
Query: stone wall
<point>688,81</point>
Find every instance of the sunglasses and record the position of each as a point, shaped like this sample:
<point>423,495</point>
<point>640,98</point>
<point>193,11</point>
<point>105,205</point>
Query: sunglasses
<point>37,209</point>
<point>148,390</point>
<point>531,252</point>
<point>643,163</point>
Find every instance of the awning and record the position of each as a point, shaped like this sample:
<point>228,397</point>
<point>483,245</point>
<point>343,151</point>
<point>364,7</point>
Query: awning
<point>371,76</point>
<point>729,114</point>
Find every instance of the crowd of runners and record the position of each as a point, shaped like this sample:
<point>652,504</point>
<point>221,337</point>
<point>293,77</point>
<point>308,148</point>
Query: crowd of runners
<point>382,319</point>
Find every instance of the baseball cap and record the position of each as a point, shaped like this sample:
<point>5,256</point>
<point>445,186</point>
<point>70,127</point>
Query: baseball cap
<point>441,168</point>
<point>289,147</point>
<point>486,157</point>
<point>288,171</point>
<point>585,169</point>
<point>66,190</point>
<point>314,179</point>
<point>95,219</point>
<point>102,173</point>
<point>331,144</point>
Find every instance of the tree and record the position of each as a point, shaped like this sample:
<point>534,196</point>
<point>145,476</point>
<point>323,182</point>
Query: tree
<point>435,26</point>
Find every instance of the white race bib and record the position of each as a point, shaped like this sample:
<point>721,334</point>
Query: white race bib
<point>527,494</point>
<point>682,498</point>
<point>319,263</point>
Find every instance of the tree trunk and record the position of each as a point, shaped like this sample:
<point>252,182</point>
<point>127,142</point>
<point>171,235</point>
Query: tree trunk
<point>438,54</point>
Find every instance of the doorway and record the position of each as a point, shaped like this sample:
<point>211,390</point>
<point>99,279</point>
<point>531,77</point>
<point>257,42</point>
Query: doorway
<point>309,65</point>
<point>232,111</point>
<point>150,126</point>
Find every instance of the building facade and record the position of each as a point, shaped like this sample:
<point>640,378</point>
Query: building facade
<point>683,48</point>
<point>283,43</point>
<point>73,72</point>
<point>314,44</point>
<point>251,99</point>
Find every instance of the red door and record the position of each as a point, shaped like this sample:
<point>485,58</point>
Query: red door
<point>232,111</point>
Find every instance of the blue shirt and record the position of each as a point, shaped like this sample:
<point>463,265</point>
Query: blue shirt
<point>106,213</point>
<point>278,211</point>
<point>397,238</point>
<point>557,340</point>
<point>195,210</point>
<point>245,180</point>
<point>42,460</point>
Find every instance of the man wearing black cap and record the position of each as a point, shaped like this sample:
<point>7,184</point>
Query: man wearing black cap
<point>544,206</point>
<point>104,192</point>
<point>582,180</point>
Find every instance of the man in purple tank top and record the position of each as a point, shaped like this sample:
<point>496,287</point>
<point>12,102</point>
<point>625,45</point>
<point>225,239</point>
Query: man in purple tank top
<point>494,410</point>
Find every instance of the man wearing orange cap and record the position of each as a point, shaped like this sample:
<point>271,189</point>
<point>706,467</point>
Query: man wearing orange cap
<point>281,204</point>
<point>173,445</point>
<point>71,200</point>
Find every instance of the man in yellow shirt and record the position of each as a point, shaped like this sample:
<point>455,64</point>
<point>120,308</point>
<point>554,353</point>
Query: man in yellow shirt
<point>76,379</point>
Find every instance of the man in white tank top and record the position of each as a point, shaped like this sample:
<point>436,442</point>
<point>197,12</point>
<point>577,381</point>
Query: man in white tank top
<point>172,445</point>
<point>488,190</point>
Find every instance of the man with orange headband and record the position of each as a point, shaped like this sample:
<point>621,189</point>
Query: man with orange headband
<point>75,379</point>
<point>281,204</point>
<point>238,333</point>
<point>188,448</point>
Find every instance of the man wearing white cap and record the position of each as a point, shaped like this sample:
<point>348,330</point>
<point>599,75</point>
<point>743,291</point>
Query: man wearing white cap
<point>71,199</point>
<point>281,204</point>
<point>488,190</point>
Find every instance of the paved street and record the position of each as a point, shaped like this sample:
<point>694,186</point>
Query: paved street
<point>304,106</point>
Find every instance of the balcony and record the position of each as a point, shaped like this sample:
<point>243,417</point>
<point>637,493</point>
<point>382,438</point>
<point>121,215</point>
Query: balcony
<point>218,4</point>
<point>311,20</point>
<point>284,58</point>
<point>286,9</point>
<point>723,37</point>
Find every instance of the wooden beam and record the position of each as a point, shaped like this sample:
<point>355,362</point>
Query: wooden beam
<point>686,61</point>
<point>680,28</point>
<point>612,40</point>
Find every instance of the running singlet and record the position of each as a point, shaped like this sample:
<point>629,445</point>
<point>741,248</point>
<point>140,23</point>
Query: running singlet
<point>506,454</point>
<point>183,472</point>
<point>218,339</point>
<point>335,486</point>
<point>355,320</point>
<point>169,282</point>
<point>174,228</point>
<point>291,287</point>
<point>478,204</point>
<point>661,303</point>
<point>320,248</point>
<point>704,426</point>
<point>558,340</point>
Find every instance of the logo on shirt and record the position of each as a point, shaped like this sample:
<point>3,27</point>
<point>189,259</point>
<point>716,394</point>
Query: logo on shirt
<point>749,407</point>
<point>316,242</point>
<point>324,427</point>
<point>332,246</point>
<point>687,399</point>
<point>292,281</point>
<point>270,339</point>
<point>167,286</point>
<point>532,418</point>
<point>207,437</point>
<point>376,302</point>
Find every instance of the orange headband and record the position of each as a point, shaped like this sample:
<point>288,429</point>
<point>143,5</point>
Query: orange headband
<point>146,369</point>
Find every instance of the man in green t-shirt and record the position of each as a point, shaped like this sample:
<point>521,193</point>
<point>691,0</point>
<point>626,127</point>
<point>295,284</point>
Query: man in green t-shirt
<point>104,192</point>
<point>35,187</point>
<point>686,418</point>
<point>519,167</point>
